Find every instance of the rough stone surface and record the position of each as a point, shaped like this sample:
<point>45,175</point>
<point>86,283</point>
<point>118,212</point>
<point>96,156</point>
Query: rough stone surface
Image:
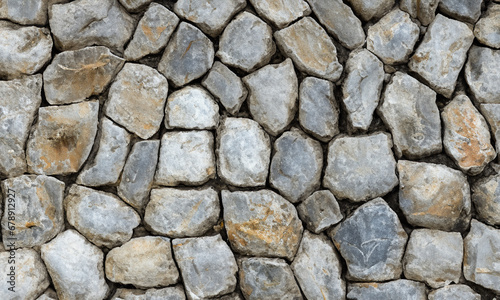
<point>486,199</point>
<point>491,113</point>
<point>467,11</point>
<point>481,74</point>
<point>371,9</point>
<point>281,13</point>
<point>455,291</point>
<point>424,10</point>
<point>486,29</point>
<point>320,211</point>
<point>393,290</point>
<point>168,293</point>
<point>49,294</point>
<point>134,5</point>
<point>24,12</point>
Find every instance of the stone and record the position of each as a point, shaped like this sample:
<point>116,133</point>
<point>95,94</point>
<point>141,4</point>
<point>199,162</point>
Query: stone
<point>362,87</point>
<point>135,5</point>
<point>339,21</point>
<point>410,112</point>
<point>138,173</point>
<point>434,196</point>
<point>24,12</point>
<point>491,113</point>
<point>37,202</point>
<point>74,76</point>
<point>243,152</point>
<point>101,217</point>
<point>188,56</point>
<point>434,257</point>
<point>486,199</point>
<point>482,256</point>
<point>49,294</point>
<point>466,136</point>
<point>211,17</point>
<point>82,23</point>
<point>481,74</point>
<point>320,211</point>
<point>105,168</point>
<point>226,86</point>
<point>261,223</point>
<point>168,293</point>
<point>61,140</point>
<point>318,269</point>
<point>281,13</point>
<point>24,50</point>
<point>424,10</point>
<point>19,103</point>
<point>485,30</point>
<point>232,296</point>
<point>191,108</point>
<point>272,98</point>
<point>144,262</point>
<point>310,48</point>
<point>182,213</point>
<point>186,157</point>
<point>393,37</point>
<point>318,109</point>
<point>296,165</point>
<point>75,267</point>
<point>455,291</point>
<point>207,265</point>
<point>442,53</point>
<point>368,10</point>
<point>360,168</point>
<point>393,290</point>
<point>246,43</point>
<point>136,99</point>
<point>466,11</point>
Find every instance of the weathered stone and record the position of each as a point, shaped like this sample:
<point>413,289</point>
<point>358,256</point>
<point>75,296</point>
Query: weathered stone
<point>467,11</point>
<point>466,136</point>
<point>24,12</point>
<point>424,10</point>
<point>372,241</point>
<point>486,198</point>
<point>281,13</point>
<point>136,99</point>
<point>320,211</point>
<point>434,196</point>
<point>62,138</point>
<point>486,29</point>
<point>310,48</point>
<point>361,88</point>
<point>75,267</point>
<point>188,56</point>
<point>409,110</point>
<point>246,43</point>
<point>455,291</point>
<point>491,113</point>
<point>19,102</point>
<point>393,290</point>
<point>267,278</point>
<point>207,266</point>
<point>481,73</point>
<point>318,269</point>
<point>191,108</point>
<point>442,54</point>
<point>24,50</point>
<point>393,37</point>
<point>261,223</point>
<point>49,294</point>
<point>244,151</point>
<point>135,5</point>
<point>371,9</point>
<point>168,293</point>
<point>232,296</point>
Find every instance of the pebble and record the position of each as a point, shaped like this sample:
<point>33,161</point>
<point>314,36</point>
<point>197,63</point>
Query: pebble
<point>481,74</point>
<point>25,12</point>
<point>368,10</point>
<point>454,291</point>
<point>320,211</point>
<point>392,290</point>
<point>486,199</point>
<point>466,11</point>
<point>169,293</point>
<point>424,10</point>
<point>486,29</point>
<point>281,13</point>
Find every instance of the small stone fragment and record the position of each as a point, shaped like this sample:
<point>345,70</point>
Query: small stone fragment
<point>281,13</point>
<point>491,113</point>
<point>486,198</point>
<point>49,294</point>
<point>371,9</point>
<point>25,12</point>
<point>486,29</point>
<point>455,291</point>
<point>392,290</point>
<point>168,293</point>
<point>424,10</point>
<point>466,11</point>
<point>134,5</point>
<point>320,211</point>
<point>481,73</point>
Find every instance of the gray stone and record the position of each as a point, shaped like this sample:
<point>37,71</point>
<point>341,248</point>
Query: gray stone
<point>481,74</point>
<point>410,112</point>
<point>243,152</point>
<point>310,48</point>
<point>207,266</point>
<point>318,109</point>
<point>320,211</point>
<point>455,291</point>
<point>360,168</point>
<point>442,53</point>
<point>24,12</point>
<point>24,50</point>
<point>37,204</point>
<point>232,296</point>
<point>362,87</point>
<point>393,290</point>
<point>261,223</point>
<point>186,157</point>
<point>267,278</point>
<point>49,294</point>
<point>135,5</point>
<point>19,102</point>
<point>281,13</point>
<point>226,86</point>
<point>424,10</point>
<point>393,38</point>
<point>371,9</point>
<point>318,269</point>
<point>486,198</point>
<point>168,293</point>
<point>434,196</point>
<point>246,43</point>
<point>136,99</point>
<point>486,29</point>
<point>75,267</point>
<point>467,11</point>
<point>491,113</point>
<point>152,32</point>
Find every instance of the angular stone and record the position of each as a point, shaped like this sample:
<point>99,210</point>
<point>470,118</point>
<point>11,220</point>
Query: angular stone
<point>361,88</point>
<point>24,50</point>
<point>455,291</point>
<point>24,12</point>
<point>191,108</point>
<point>486,29</point>
<point>393,37</point>
<point>62,138</point>
<point>434,196</point>
<point>243,150</point>
<point>246,43</point>
<point>310,48</point>
<point>261,223</point>
<point>467,11</point>
<point>491,113</point>
<point>188,56</point>
<point>136,99</point>
<point>19,102</point>
<point>393,290</point>
<point>466,136</point>
<point>135,5</point>
<point>486,198</point>
<point>207,266</point>
<point>318,269</point>
<point>442,53</point>
<point>409,110</point>
<point>320,211</point>
<point>424,10</point>
<point>481,74</point>
<point>144,262</point>
<point>281,13</point>
<point>75,267</point>
<point>371,9</point>
<point>168,293</point>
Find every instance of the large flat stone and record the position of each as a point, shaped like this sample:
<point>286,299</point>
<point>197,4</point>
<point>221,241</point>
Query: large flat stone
<point>486,199</point>
<point>486,31</point>
<point>392,290</point>
<point>281,13</point>
<point>481,74</point>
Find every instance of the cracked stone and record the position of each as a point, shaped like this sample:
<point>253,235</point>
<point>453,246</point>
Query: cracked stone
<point>393,290</point>
<point>168,293</point>
<point>371,9</point>
<point>423,10</point>
<point>481,74</point>
<point>455,291</point>
<point>281,13</point>
<point>467,11</point>
<point>320,211</point>
<point>486,198</point>
<point>25,12</point>
<point>486,29</point>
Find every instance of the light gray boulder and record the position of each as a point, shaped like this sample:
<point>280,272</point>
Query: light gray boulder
<point>481,75</point>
